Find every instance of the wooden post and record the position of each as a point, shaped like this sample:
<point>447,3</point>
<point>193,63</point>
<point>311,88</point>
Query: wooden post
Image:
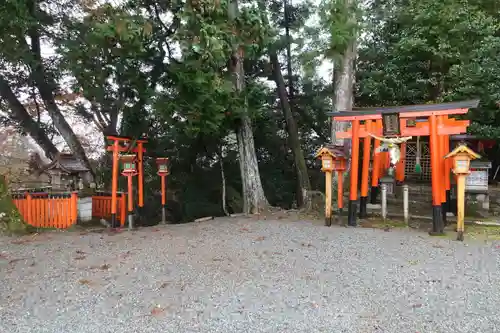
<point>400,166</point>
<point>29,209</point>
<point>460,206</point>
<point>406,211</point>
<point>384,201</point>
<point>437,221</point>
<point>163,199</point>
<point>441,160</point>
<point>365,172</point>
<point>328,198</point>
<point>74,206</point>
<point>140,178</point>
<point>114,184</point>
<point>340,194</point>
<point>130,203</point>
<point>353,190</point>
<point>123,209</point>
<point>375,172</point>
<point>447,171</point>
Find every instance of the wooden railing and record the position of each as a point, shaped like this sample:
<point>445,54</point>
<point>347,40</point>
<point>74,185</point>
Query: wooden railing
<point>43,210</point>
<point>101,206</point>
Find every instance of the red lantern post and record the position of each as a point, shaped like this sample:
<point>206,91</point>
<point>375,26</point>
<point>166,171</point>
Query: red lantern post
<point>129,170</point>
<point>162,163</point>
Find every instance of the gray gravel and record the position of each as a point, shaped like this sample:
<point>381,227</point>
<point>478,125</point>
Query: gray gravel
<point>231,275</point>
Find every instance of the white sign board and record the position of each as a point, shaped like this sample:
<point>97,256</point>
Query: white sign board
<point>477,180</point>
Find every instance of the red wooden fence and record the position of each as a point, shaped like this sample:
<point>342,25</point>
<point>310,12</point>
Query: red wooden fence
<point>101,207</point>
<point>43,210</point>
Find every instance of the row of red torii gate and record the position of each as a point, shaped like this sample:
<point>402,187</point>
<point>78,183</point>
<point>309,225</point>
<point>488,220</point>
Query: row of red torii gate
<point>384,125</point>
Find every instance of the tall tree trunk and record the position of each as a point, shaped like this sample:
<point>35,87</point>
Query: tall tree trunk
<point>293,132</point>
<point>254,199</point>
<point>343,79</point>
<point>344,82</point>
<point>286,10</point>
<point>21,116</point>
<point>46,87</point>
<point>223,181</point>
<point>287,102</point>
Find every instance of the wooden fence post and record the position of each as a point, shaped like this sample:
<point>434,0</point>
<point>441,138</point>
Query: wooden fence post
<point>28,208</point>
<point>74,207</point>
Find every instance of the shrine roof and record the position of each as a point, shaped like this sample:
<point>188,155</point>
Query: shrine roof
<point>142,139</point>
<point>68,163</point>
<point>470,137</point>
<point>407,108</point>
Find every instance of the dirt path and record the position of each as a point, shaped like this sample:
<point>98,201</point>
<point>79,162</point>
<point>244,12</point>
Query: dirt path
<point>245,275</point>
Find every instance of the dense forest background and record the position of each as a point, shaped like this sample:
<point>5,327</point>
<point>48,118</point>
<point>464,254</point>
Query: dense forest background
<point>232,91</point>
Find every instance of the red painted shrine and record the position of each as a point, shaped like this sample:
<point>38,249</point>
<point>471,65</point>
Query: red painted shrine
<point>433,120</point>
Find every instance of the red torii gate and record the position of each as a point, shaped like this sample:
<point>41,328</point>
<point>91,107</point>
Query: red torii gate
<point>119,144</point>
<point>415,120</point>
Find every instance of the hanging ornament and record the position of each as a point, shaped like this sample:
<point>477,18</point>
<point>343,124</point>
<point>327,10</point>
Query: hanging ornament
<point>418,167</point>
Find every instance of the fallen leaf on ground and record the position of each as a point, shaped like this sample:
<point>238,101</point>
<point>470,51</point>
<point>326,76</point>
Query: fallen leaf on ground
<point>21,241</point>
<point>126,254</point>
<point>157,310</point>
<point>80,258</point>
<point>13,261</point>
<point>164,284</point>
<point>244,230</point>
<point>85,282</point>
<point>105,266</point>
<point>261,238</point>
<point>114,232</point>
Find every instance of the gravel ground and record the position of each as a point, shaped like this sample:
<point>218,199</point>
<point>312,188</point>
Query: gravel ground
<point>230,275</point>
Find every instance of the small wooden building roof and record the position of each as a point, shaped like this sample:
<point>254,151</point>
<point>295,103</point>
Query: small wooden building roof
<point>67,163</point>
<point>335,151</point>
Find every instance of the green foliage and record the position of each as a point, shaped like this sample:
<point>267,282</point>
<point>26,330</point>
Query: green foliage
<point>10,220</point>
<point>340,22</point>
<point>432,51</point>
<point>162,69</point>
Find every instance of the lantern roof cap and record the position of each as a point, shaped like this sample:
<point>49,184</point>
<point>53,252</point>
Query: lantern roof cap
<point>128,157</point>
<point>332,150</point>
<point>463,149</point>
